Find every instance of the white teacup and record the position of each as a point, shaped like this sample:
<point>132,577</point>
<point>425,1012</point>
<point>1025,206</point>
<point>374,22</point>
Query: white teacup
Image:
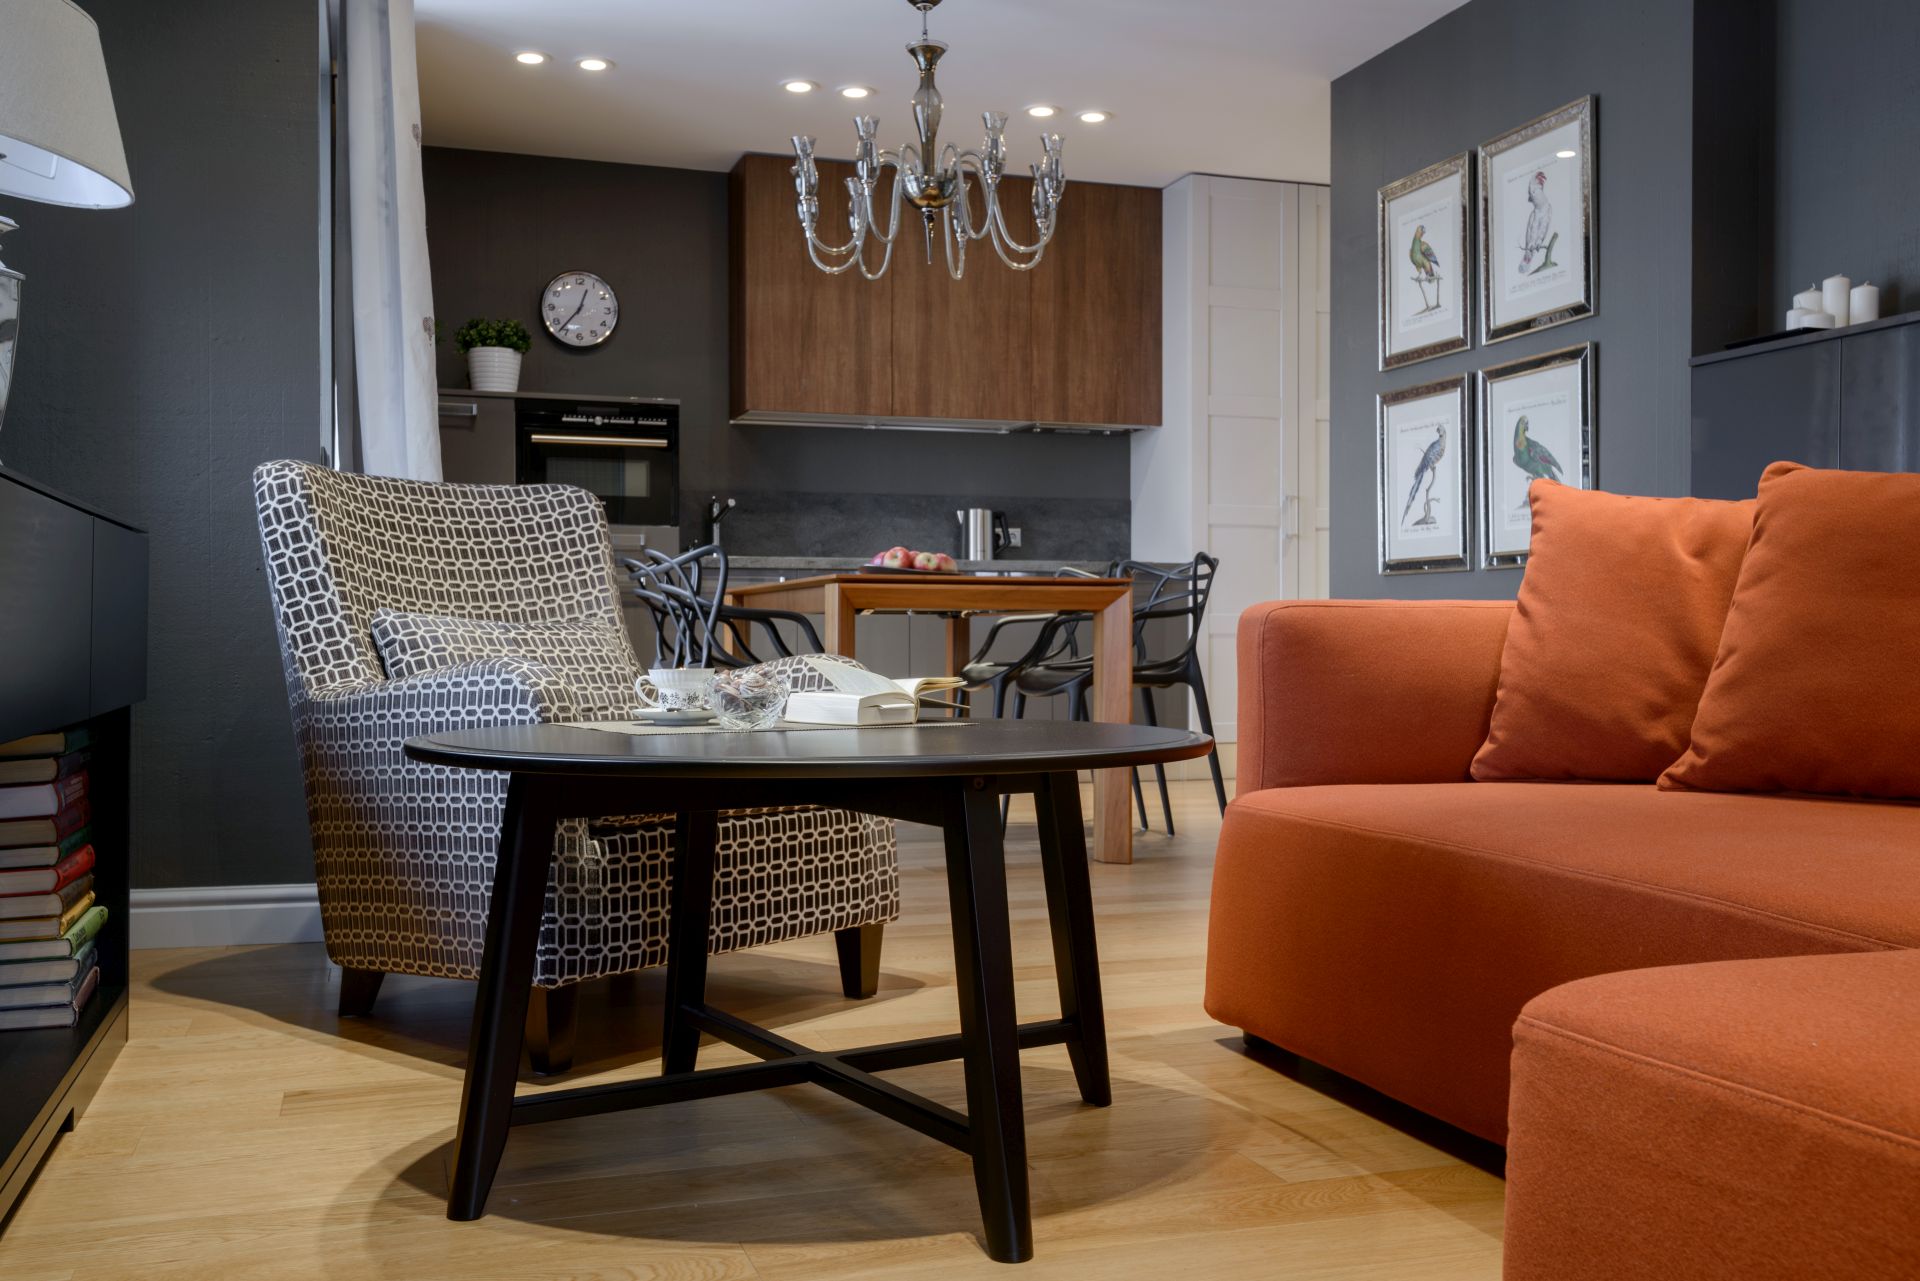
<point>675,689</point>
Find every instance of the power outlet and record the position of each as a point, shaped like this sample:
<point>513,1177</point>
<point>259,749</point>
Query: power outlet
<point>1013,536</point>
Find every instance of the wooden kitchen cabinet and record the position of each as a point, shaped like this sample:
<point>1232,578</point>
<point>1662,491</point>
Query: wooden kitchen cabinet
<point>1075,341</point>
<point>1096,309</point>
<point>962,348</point>
<point>803,342</point>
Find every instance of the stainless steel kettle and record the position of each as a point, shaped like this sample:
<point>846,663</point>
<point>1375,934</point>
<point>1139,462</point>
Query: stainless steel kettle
<point>983,533</point>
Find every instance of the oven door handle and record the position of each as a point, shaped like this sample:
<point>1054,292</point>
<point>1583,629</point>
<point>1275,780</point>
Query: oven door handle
<point>621,442</point>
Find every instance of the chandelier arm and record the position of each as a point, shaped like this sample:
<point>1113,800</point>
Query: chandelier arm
<point>1001,233</point>
<point>886,260</point>
<point>956,269</point>
<point>893,217</point>
<point>988,198</point>
<point>1028,265</point>
<point>831,269</point>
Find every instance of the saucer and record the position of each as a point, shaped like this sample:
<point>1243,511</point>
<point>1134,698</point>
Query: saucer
<point>675,716</point>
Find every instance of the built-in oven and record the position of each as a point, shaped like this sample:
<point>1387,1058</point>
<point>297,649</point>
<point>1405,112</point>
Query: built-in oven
<point>626,452</point>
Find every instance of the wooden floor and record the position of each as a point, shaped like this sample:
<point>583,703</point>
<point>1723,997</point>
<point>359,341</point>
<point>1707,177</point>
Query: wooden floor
<point>248,1133</point>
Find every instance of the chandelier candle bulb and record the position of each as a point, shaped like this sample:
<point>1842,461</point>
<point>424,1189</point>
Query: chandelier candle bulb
<point>937,181</point>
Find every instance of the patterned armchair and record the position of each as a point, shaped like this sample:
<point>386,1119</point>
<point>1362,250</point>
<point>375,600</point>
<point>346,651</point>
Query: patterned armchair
<point>404,851</point>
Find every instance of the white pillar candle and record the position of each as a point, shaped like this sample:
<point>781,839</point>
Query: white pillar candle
<point>1863,304</point>
<point>1818,320</point>
<point>1833,297</point>
<point>1797,318</point>
<point>1809,299</point>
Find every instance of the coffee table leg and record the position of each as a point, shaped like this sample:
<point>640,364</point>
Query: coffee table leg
<point>500,1006</point>
<point>1076,960</point>
<point>983,968</point>
<point>690,920</point>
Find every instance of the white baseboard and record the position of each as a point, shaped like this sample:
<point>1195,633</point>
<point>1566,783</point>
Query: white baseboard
<point>225,915</point>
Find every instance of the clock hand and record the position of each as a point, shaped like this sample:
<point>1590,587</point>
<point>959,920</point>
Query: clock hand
<point>576,310</point>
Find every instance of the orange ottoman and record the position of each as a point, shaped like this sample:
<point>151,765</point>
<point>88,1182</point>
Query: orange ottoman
<point>1753,1120</point>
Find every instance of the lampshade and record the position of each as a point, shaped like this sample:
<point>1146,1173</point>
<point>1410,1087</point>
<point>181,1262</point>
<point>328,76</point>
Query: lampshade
<point>59,138</point>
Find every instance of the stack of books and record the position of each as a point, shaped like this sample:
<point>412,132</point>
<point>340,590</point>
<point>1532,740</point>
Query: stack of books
<point>48,919</point>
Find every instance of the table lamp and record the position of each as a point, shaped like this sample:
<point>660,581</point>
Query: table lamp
<point>59,138</point>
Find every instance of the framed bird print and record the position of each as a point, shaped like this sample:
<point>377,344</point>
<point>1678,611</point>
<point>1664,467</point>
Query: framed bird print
<point>1537,420</point>
<point>1537,233</point>
<point>1423,264</point>
<point>1423,478</point>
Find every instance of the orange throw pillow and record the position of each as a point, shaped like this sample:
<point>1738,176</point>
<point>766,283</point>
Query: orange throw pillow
<point>1817,684</point>
<point>1614,633</point>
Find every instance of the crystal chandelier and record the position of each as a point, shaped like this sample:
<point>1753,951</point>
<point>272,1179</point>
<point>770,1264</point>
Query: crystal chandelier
<point>940,195</point>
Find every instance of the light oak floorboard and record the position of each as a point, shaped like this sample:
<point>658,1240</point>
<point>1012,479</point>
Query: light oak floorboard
<point>248,1132</point>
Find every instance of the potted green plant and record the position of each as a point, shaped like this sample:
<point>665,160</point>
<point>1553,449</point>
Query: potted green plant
<point>493,349</point>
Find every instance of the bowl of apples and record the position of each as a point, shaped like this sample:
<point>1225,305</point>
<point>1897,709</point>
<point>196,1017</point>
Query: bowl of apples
<point>904,560</point>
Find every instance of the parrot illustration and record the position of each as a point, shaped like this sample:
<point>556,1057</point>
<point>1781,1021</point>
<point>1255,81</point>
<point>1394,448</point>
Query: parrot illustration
<point>1532,457</point>
<point>1426,473</point>
<point>1426,265</point>
<point>1540,237</point>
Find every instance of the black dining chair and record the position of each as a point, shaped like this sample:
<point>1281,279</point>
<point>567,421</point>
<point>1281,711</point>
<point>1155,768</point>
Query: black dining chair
<point>1181,593</point>
<point>686,594</point>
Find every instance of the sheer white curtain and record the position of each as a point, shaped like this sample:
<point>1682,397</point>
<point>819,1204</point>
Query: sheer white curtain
<point>392,286</point>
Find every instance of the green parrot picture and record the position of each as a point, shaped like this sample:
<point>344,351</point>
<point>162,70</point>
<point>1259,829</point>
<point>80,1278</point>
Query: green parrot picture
<point>1532,457</point>
<point>1426,267</point>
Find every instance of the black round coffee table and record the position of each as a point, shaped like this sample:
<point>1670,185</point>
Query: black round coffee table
<point>948,774</point>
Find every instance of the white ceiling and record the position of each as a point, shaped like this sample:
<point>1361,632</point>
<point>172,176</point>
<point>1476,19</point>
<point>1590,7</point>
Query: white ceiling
<point>1212,86</point>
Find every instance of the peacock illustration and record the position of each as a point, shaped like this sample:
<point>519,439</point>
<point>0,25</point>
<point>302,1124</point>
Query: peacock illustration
<point>1426,473</point>
<point>1539,238</point>
<point>1426,268</point>
<point>1532,457</point>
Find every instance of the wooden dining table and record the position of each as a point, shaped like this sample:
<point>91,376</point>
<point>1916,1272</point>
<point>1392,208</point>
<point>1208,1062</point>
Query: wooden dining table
<point>840,598</point>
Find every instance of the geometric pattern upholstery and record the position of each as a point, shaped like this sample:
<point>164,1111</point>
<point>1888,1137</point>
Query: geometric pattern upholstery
<point>404,851</point>
<point>586,654</point>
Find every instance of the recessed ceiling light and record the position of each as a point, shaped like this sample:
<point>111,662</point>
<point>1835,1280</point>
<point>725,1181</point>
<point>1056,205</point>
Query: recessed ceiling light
<point>1566,155</point>
<point>1095,117</point>
<point>1040,111</point>
<point>530,58</point>
<point>593,64</point>
<point>855,91</point>
<point>799,86</point>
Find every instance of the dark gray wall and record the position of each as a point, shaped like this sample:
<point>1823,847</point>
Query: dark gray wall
<point>1846,185</point>
<point>166,349</point>
<point>1476,73</point>
<point>500,226</point>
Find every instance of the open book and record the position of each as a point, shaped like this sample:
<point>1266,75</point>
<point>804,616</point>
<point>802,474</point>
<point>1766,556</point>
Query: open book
<point>861,697</point>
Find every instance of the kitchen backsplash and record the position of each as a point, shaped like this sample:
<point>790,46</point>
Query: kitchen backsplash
<point>814,524</point>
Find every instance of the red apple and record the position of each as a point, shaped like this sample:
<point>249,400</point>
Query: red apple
<point>945,563</point>
<point>926,560</point>
<point>897,558</point>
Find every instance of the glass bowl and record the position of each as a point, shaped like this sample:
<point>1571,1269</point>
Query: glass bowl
<point>749,698</point>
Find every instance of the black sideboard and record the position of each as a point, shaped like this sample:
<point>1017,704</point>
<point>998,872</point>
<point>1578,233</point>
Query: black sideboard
<point>1842,398</point>
<point>73,652</point>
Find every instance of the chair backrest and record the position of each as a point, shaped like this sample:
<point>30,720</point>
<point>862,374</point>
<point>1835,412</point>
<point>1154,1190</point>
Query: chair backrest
<point>683,593</point>
<point>337,546</point>
<point>1179,592</point>
<point>693,624</point>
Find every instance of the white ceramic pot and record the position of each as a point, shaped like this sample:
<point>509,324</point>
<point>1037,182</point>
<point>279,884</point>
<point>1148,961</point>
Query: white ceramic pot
<point>493,369</point>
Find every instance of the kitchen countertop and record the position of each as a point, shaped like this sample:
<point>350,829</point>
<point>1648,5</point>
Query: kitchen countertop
<point>800,565</point>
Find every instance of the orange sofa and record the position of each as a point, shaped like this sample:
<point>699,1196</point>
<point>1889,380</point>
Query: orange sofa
<point>1375,911</point>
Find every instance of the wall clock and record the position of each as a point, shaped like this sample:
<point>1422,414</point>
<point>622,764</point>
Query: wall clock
<point>579,309</point>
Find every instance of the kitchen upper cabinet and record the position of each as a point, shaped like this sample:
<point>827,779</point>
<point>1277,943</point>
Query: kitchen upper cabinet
<point>1077,340</point>
<point>963,348</point>
<point>1096,309</point>
<point>803,342</point>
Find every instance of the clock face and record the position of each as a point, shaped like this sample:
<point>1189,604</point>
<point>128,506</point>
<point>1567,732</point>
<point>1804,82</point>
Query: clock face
<point>579,309</point>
